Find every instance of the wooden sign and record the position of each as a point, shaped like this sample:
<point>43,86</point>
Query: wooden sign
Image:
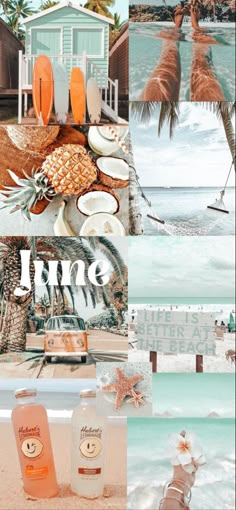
<point>176,332</point>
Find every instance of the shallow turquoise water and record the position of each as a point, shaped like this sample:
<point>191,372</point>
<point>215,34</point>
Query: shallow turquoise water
<point>145,51</point>
<point>149,465</point>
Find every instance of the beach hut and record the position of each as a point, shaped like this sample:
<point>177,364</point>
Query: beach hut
<point>75,36</point>
<point>9,47</point>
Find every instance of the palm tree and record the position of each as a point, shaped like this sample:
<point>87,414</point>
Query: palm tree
<point>117,22</point>
<point>12,22</point>
<point>116,28</point>
<point>44,304</point>
<point>100,7</point>
<point>48,4</point>
<point>169,112</point>
<point>119,295</point>
<point>4,5</point>
<point>18,9</point>
<point>13,335</point>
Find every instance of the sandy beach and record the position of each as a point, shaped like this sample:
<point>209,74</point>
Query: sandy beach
<point>187,362</point>
<point>16,364</point>
<point>12,496</point>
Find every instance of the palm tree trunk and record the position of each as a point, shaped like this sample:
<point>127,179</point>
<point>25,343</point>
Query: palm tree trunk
<point>229,131</point>
<point>13,336</point>
<point>52,301</point>
<point>135,216</point>
<point>1,313</point>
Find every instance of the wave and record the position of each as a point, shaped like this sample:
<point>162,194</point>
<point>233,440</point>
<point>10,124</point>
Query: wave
<point>214,486</point>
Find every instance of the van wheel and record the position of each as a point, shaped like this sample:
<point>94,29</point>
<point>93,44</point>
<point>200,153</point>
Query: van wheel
<point>48,359</point>
<point>83,359</point>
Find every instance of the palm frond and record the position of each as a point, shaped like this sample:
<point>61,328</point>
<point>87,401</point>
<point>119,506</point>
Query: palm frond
<point>143,110</point>
<point>169,112</point>
<point>110,251</point>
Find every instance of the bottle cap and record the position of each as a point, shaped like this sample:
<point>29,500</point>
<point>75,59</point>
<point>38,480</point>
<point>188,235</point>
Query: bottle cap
<point>87,394</point>
<point>25,392</point>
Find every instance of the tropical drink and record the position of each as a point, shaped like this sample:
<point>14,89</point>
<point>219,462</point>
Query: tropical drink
<point>33,442</point>
<point>88,445</point>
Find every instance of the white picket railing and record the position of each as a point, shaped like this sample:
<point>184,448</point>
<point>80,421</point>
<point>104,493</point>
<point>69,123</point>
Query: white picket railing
<point>108,88</point>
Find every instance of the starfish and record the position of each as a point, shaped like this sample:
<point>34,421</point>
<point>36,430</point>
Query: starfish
<point>123,386</point>
<point>137,398</point>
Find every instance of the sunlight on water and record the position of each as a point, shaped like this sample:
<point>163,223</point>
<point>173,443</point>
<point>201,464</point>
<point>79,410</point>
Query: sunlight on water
<point>145,40</point>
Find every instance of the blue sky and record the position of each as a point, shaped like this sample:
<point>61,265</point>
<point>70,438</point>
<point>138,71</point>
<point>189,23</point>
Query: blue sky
<point>121,7</point>
<point>197,155</point>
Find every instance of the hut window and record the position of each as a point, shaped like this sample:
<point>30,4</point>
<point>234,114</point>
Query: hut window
<point>46,41</point>
<point>90,40</point>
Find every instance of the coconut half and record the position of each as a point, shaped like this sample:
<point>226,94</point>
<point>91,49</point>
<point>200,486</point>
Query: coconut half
<point>113,172</point>
<point>102,224</point>
<point>98,199</point>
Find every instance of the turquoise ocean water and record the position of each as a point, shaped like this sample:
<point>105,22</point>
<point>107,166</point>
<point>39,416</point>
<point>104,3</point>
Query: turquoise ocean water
<point>149,465</point>
<point>185,212</point>
<point>145,49</point>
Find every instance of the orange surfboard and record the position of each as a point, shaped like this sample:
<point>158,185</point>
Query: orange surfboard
<point>77,95</point>
<point>43,89</point>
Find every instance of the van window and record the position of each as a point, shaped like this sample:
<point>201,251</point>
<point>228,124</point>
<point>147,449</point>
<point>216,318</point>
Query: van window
<point>66,323</point>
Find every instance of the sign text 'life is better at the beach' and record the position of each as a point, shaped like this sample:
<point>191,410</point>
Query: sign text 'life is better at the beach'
<point>176,332</point>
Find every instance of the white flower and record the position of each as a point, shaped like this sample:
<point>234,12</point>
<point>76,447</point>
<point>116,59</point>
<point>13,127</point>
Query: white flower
<point>185,451</point>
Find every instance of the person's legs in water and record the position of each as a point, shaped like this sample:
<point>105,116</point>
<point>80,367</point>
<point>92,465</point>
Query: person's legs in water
<point>204,85</point>
<point>164,83</point>
<point>199,34</point>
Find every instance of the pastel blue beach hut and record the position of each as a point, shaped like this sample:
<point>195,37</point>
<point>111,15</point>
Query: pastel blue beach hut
<point>75,36</point>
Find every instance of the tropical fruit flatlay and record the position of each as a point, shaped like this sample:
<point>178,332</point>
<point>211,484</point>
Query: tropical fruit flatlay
<point>69,169</point>
<point>32,139</point>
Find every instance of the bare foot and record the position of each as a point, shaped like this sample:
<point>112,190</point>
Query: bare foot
<point>179,14</point>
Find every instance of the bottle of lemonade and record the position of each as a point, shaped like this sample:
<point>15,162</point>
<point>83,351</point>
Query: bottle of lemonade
<point>88,447</point>
<point>33,442</point>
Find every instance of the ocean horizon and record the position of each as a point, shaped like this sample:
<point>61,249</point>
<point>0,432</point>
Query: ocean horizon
<point>58,404</point>
<point>184,210</point>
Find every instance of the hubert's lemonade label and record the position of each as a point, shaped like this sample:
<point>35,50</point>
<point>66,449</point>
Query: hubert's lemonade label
<point>32,447</point>
<point>90,448</point>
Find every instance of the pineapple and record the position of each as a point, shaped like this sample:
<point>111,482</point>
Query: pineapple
<point>31,139</point>
<point>28,193</point>
<point>69,169</point>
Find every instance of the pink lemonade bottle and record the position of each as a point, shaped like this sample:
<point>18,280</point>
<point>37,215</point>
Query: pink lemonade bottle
<point>88,448</point>
<point>34,447</point>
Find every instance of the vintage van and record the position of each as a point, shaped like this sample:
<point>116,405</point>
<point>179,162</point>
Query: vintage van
<point>65,335</point>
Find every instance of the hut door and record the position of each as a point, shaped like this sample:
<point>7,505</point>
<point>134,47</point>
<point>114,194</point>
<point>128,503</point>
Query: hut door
<point>46,41</point>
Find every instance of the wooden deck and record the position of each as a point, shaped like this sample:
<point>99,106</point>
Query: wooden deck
<point>8,92</point>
